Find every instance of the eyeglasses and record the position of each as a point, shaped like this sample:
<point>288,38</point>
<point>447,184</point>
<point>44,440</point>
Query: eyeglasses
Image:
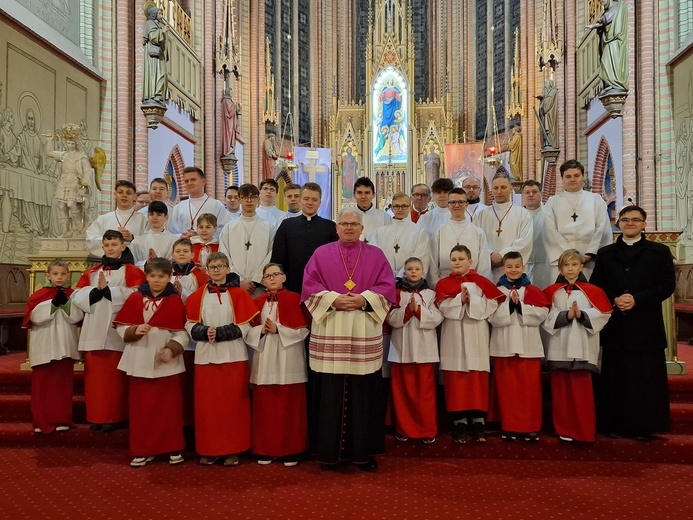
<point>397,207</point>
<point>633,220</point>
<point>217,267</point>
<point>471,187</point>
<point>269,189</point>
<point>250,197</point>
<point>420,195</point>
<point>457,202</point>
<point>271,276</point>
<point>349,224</point>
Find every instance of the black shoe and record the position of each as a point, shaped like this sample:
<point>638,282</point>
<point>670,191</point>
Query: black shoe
<point>479,431</point>
<point>329,467</point>
<point>614,435</point>
<point>508,436</point>
<point>532,437</point>
<point>113,427</point>
<point>96,427</point>
<point>460,433</point>
<point>370,466</point>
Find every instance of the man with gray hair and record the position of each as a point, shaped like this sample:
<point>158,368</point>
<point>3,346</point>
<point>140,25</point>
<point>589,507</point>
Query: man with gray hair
<point>348,288</point>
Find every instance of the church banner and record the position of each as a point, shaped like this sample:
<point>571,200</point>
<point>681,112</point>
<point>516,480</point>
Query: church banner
<point>315,165</point>
<point>463,160</point>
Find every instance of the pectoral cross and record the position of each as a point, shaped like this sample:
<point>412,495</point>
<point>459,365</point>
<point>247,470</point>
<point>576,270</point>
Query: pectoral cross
<point>396,248</point>
<point>499,231</point>
<point>248,244</point>
<point>574,216</point>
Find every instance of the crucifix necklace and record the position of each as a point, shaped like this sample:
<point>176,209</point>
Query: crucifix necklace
<point>350,284</point>
<point>128,220</point>
<point>397,247</point>
<point>575,216</point>
<point>193,218</point>
<point>500,220</point>
<point>248,234</point>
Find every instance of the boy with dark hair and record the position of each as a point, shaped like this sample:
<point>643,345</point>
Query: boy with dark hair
<point>101,293</point>
<point>372,218</point>
<point>269,189</point>
<point>152,325</point>
<point>517,350</point>
<point>439,214</point>
<point>157,241</point>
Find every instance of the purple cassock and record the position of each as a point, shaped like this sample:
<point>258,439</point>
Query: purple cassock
<point>365,264</point>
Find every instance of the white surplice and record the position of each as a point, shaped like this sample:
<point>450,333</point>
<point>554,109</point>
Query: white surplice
<point>589,231</point>
<point>130,219</point>
<point>464,335</point>
<point>160,241</point>
<point>185,214</point>
<point>279,359</point>
<point>373,219</point>
<point>537,267</point>
<point>515,231</point>
<point>54,332</point>
<point>410,239</point>
<point>517,334</point>
<point>271,214</point>
<point>451,234</point>
<point>431,221</point>
<point>247,241</point>
<point>415,341</point>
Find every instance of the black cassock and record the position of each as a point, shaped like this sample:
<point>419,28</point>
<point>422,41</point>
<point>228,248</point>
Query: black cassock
<point>633,393</point>
<point>295,242</point>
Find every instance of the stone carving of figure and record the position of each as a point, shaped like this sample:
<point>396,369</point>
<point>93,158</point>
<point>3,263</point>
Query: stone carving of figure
<point>75,186</point>
<point>9,144</point>
<point>269,155</point>
<point>612,28</point>
<point>30,146</point>
<point>432,165</point>
<point>154,80</point>
<point>682,174</point>
<point>515,149</point>
<point>548,115</point>
<point>229,126</point>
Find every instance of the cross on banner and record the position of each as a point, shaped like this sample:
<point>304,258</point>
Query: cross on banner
<point>313,168</point>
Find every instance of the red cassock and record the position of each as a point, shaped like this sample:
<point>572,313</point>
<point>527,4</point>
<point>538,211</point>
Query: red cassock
<point>155,404</point>
<point>279,412</point>
<point>222,391</point>
<point>106,387</point>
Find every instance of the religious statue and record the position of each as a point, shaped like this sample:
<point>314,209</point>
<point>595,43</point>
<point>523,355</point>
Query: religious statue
<point>515,149</point>
<point>612,28</point>
<point>349,173</point>
<point>154,81</point>
<point>548,115</point>
<point>269,155</point>
<point>30,146</point>
<point>432,165</point>
<point>229,123</point>
<point>75,193</point>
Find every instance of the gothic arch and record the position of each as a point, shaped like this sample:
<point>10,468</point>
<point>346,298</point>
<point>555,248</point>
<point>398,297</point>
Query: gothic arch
<point>174,170</point>
<point>600,169</point>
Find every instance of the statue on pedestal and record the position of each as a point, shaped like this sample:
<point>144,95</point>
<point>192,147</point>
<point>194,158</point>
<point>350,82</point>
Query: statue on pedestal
<point>612,28</point>
<point>79,177</point>
<point>154,80</point>
<point>229,123</point>
<point>269,155</point>
<point>515,149</point>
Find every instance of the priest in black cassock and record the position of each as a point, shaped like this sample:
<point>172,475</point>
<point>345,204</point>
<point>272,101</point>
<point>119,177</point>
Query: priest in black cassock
<point>638,275</point>
<point>297,238</point>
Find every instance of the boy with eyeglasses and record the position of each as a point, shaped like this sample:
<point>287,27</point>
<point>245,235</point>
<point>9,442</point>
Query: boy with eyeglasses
<point>247,242</point>
<point>278,371</point>
<point>219,317</point>
<point>269,189</point>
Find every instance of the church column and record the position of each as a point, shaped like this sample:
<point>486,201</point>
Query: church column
<point>126,96</point>
<point>529,90</point>
<point>640,130</point>
<point>566,82</point>
<point>209,100</point>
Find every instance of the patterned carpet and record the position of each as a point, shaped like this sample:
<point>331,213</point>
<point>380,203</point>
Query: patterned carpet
<point>84,474</point>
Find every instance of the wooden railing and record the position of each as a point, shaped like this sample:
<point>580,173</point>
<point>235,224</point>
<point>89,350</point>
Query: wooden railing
<point>177,18</point>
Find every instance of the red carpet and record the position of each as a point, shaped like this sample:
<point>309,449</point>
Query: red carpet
<point>84,474</point>
<point>97,483</point>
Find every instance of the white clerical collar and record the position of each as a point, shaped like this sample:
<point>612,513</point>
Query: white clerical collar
<point>397,221</point>
<point>250,219</point>
<point>503,205</point>
<point>631,241</point>
<point>309,217</point>
<point>367,209</point>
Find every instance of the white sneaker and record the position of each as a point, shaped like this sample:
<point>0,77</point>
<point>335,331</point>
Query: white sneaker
<point>37,430</point>
<point>138,462</point>
<point>175,458</point>
<point>565,438</point>
<point>62,428</point>
<point>265,461</point>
